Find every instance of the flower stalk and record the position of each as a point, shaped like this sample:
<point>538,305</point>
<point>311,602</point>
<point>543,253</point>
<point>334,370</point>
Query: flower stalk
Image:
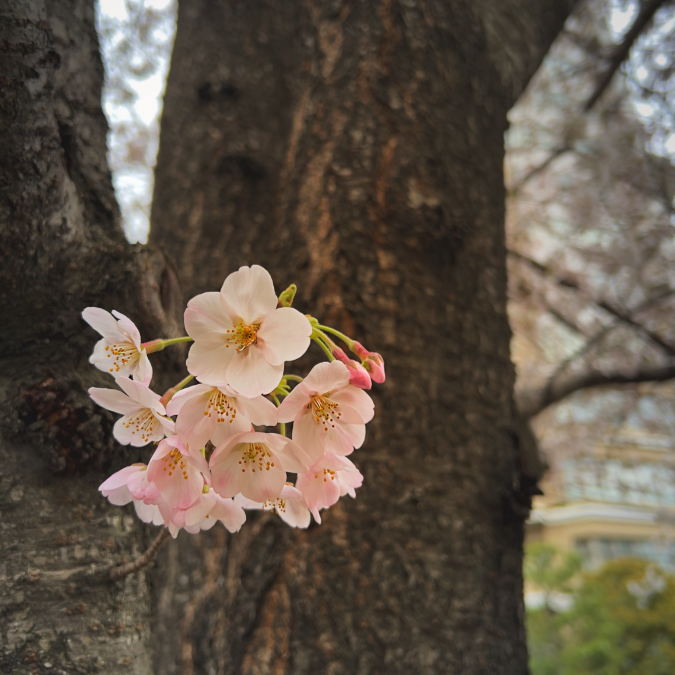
<point>157,345</point>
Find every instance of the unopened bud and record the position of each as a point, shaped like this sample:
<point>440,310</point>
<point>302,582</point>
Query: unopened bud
<point>358,375</point>
<point>359,350</point>
<point>374,364</point>
<point>286,297</point>
<point>371,361</point>
<point>340,355</point>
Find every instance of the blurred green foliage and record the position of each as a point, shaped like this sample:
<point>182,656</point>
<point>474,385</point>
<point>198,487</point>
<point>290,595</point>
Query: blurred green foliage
<point>621,621</point>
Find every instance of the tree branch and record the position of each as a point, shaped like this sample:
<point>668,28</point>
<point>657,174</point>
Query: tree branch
<point>535,171</point>
<point>533,401</point>
<point>147,558</point>
<point>601,304</point>
<point>621,52</point>
<point>519,33</point>
<point>100,574</point>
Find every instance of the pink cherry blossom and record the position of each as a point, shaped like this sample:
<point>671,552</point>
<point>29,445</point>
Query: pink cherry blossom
<point>326,481</point>
<point>116,488</point>
<point>358,375</point>
<point>328,414</point>
<point>130,484</point>
<point>148,513</point>
<point>203,514</point>
<point>213,414</point>
<point>229,513</point>
<point>120,352</point>
<point>144,417</point>
<point>289,506</point>
<point>372,362</point>
<point>240,337</point>
<point>178,473</point>
<point>255,464</point>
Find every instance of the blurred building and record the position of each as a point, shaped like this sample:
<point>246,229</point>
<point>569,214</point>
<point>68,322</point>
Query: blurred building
<point>615,500</point>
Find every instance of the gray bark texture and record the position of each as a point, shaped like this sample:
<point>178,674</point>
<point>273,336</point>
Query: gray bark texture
<point>354,148</point>
<point>62,249</point>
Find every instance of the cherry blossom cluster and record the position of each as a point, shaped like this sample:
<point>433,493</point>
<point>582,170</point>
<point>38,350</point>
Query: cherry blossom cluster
<point>211,462</point>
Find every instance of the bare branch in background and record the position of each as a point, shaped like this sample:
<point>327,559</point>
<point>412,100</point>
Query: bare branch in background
<point>622,50</point>
<point>535,171</point>
<point>533,401</point>
<point>594,340</point>
<point>602,304</point>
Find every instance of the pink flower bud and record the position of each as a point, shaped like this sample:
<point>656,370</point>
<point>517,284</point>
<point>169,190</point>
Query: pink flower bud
<point>358,375</point>
<point>375,366</point>
<point>340,355</point>
<point>371,361</point>
<point>360,350</point>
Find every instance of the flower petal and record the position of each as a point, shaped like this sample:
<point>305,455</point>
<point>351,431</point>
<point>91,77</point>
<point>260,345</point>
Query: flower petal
<point>103,358</point>
<point>179,399</point>
<point>127,327</point>
<point>258,410</point>
<point>102,322</point>
<point>205,320</point>
<point>231,515</point>
<point>251,375</point>
<point>140,392</point>
<point>356,433</point>
<point>327,377</point>
<point>293,404</point>
<point>209,365</point>
<point>194,424</point>
<point>317,438</point>
<point>357,399</point>
<point>264,485</point>
<point>180,486</point>
<point>148,513</point>
<point>138,429</point>
<point>112,399</point>
<point>284,335</point>
<point>200,509</point>
<point>296,513</point>
<point>319,488</point>
<point>294,457</point>
<point>248,294</point>
<point>143,370</point>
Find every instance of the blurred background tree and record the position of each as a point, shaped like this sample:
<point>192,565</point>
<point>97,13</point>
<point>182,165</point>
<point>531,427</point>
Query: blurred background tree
<point>620,621</point>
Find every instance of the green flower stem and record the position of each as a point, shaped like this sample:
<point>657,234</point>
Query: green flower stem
<point>323,345</point>
<point>348,341</point>
<point>170,392</point>
<point>282,425</point>
<point>157,345</point>
<point>294,378</point>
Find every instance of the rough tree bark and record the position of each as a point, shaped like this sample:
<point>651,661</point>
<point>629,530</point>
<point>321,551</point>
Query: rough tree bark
<point>356,149</point>
<point>62,249</point>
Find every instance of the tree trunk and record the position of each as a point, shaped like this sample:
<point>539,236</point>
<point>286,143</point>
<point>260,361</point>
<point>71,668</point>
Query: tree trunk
<point>356,149</point>
<point>62,249</point>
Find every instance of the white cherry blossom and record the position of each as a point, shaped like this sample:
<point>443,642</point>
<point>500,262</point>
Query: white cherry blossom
<point>326,481</point>
<point>290,506</point>
<point>120,352</point>
<point>178,473</point>
<point>329,414</point>
<point>144,417</point>
<point>213,414</point>
<point>241,338</point>
<point>255,464</point>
